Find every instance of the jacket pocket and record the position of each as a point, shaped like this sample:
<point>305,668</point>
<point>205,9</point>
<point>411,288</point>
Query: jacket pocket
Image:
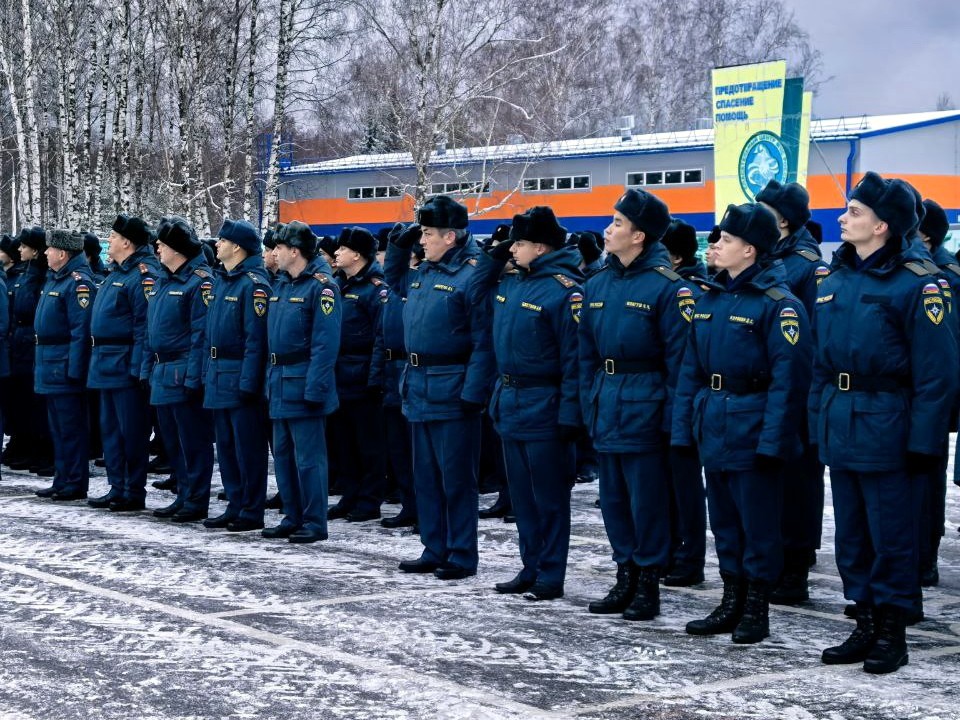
<point>444,384</point>
<point>879,428</point>
<point>113,361</point>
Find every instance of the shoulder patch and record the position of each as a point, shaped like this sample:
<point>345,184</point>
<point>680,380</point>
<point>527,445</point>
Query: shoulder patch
<point>200,272</point>
<point>931,289</point>
<point>376,281</point>
<point>472,262</point>
<point>668,273</point>
<point>564,280</point>
<point>321,277</point>
<point>774,294</point>
<point>809,255</point>
<point>144,269</point>
<point>916,268</point>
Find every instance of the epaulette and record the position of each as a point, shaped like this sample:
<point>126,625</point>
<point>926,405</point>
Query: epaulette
<point>321,277</point>
<point>954,268</point>
<point>472,262</point>
<point>257,280</point>
<point>668,273</point>
<point>931,267</point>
<point>775,294</point>
<point>564,280</point>
<point>76,276</point>
<point>201,273</point>
<point>376,281</point>
<point>144,269</point>
<point>809,255</point>
<point>916,268</point>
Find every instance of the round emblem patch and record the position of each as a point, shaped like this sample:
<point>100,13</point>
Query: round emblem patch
<point>762,159</point>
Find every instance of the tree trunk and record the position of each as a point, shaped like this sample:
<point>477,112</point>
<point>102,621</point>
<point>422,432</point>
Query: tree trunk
<point>97,166</point>
<point>270,190</point>
<point>251,128</point>
<point>32,129</point>
<point>20,163</point>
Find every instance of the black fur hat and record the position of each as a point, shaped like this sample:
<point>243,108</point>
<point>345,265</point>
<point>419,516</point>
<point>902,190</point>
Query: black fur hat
<point>441,211</point>
<point>270,236</point>
<point>891,200</point>
<point>646,211</point>
<point>360,240</point>
<point>538,224</point>
<point>753,224</point>
<point>34,237</point>
<point>11,246</point>
<point>178,234</point>
<point>91,244</point>
<point>327,244</point>
<point>588,245</point>
<point>792,201</point>
<point>133,229</point>
<point>299,235</point>
<point>681,240</point>
<point>934,224</point>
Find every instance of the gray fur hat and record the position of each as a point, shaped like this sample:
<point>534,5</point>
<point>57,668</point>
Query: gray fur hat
<point>65,240</point>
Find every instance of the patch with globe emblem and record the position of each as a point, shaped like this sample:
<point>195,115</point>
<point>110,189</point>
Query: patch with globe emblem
<point>763,158</point>
<point>790,325</point>
<point>686,303</point>
<point>933,306</point>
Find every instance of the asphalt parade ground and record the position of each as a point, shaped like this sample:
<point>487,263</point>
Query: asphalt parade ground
<point>106,615</point>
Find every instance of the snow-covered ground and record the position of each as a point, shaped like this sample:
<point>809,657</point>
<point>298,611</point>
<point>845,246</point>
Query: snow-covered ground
<point>127,616</point>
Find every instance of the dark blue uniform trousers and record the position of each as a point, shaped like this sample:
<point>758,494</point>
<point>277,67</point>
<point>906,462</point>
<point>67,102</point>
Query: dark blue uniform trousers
<point>690,500</point>
<point>242,455</point>
<point>876,535</point>
<point>190,450</point>
<point>399,449</point>
<point>540,474</point>
<point>934,509</point>
<point>745,507</point>
<point>803,500</point>
<point>359,436</point>
<point>70,432</point>
<point>635,503</point>
<point>446,454</point>
<point>125,432</point>
<point>300,464</point>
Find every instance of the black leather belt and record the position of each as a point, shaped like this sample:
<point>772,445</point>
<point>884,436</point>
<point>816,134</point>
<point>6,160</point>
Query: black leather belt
<point>435,359</point>
<point>529,381</point>
<point>738,385</point>
<point>97,340</point>
<point>612,366</point>
<point>162,357</point>
<point>868,383</point>
<point>219,353</point>
<point>396,354</point>
<point>356,349</point>
<point>290,358</point>
<point>52,339</point>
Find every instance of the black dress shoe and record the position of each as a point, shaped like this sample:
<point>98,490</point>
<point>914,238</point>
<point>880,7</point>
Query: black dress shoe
<point>399,521</point>
<point>543,591</point>
<point>168,511</point>
<point>61,496</point>
<point>509,517</point>
<point>587,476</point>
<point>306,536</point>
<point>683,578</point>
<point>100,462</point>
<point>219,522</point>
<point>169,484</point>
<point>497,510</point>
<point>222,495</point>
<point>452,571</point>
<point>46,492</point>
<point>127,505</point>
<point>185,516</point>
<point>158,466</point>
<point>244,524</point>
<point>47,470</point>
<point>516,586</point>
<point>101,502</point>
<point>363,515</point>
<point>279,531</point>
<point>418,566</point>
<point>274,503</point>
<point>338,511</point>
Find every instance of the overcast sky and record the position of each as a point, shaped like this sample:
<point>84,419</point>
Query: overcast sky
<point>885,56</point>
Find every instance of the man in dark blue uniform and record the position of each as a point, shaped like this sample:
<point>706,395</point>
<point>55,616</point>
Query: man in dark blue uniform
<point>10,267</point>
<point>303,340</point>
<point>880,404</point>
<point>803,479</point>
<point>933,231</point>
<point>62,326</point>
<point>445,384</point>
<point>118,335</point>
<point>236,337</point>
<point>358,423</point>
<point>176,319</point>
<point>5,249</point>
<point>636,311</point>
<point>535,403</point>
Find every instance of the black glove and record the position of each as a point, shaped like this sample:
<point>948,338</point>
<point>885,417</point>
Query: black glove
<point>768,463</point>
<point>501,252</point>
<point>922,463</point>
<point>144,385</point>
<point>395,232</point>
<point>249,398</point>
<point>470,408</point>
<point>409,237</point>
<point>569,433</point>
<point>587,245</point>
<point>313,405</point>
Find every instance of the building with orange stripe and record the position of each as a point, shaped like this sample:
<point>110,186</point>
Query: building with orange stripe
<point>582,179</point>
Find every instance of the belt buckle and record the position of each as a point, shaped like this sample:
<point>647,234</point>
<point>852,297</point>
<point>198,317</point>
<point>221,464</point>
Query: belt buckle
<point>273,358</point>
<point>389,354</point>
<point>610,366</point>
<point>507,380</point>
<point>36,339</point>
<point>716,381</point>
<point>414,359</point>
<point>213,352</point>
<point>93,341</point>
<point>156,357</point>
<point>843,382</point>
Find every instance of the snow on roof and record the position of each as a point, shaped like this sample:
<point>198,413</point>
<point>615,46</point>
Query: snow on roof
<point>823,130</point>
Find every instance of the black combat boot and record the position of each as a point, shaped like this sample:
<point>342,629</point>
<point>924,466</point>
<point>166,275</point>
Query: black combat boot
<point>889,650</point>
<point>646,602</point>
<point>727,614</point>
<point>754,626</point>
<point>792,586</point>
<point>621,594</point>
<point>856,647</point>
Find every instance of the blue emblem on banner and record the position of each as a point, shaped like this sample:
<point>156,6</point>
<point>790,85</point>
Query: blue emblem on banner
<point>762,159</point>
